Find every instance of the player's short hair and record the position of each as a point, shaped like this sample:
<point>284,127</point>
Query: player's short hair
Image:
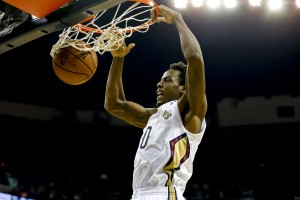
<point>180,66</point>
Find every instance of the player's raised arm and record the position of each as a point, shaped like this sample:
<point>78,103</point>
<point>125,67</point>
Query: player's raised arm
<point>194,98</point>
<point>115,101</point>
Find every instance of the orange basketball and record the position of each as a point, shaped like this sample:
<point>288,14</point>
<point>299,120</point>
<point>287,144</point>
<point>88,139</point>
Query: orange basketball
<point>73,66</point>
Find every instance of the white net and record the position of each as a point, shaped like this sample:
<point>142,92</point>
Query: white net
<point>110,35</point>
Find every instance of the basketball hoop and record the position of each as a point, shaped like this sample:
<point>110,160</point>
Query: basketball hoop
<point>102,35</point>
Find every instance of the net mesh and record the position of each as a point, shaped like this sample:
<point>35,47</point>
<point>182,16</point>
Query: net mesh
<point>102,36</point>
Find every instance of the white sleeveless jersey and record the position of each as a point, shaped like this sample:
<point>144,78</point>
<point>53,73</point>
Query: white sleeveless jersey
<point>166,151</point>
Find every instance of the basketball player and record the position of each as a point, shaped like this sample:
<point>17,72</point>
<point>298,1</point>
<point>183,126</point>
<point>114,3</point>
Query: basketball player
<point>173,130</point>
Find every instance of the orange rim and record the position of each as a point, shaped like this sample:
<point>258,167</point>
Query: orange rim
<point>99,31</point>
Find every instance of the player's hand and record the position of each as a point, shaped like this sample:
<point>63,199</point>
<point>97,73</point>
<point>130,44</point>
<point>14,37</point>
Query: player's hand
<point>165,14</point>
<point>122,51</point>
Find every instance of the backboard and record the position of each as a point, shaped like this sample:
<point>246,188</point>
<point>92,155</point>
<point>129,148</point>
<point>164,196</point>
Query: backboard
<point>68,13</point>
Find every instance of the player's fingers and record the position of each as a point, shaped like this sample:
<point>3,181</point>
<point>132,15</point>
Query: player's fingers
<point>130,46</point>
<point>160,19</point>
<point>153,14</point>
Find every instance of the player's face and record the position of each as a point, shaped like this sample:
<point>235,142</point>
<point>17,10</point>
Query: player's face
<point>168,88</point>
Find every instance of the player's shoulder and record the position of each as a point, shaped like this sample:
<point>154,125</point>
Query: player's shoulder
<point>151,111</point>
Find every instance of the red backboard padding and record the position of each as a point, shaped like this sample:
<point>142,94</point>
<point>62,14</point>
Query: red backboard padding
<point>38,8</point>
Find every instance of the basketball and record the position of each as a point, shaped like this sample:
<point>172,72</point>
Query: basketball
<point>73,66</point>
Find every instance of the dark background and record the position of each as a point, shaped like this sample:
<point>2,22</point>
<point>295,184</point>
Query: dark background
<point>247,52</point>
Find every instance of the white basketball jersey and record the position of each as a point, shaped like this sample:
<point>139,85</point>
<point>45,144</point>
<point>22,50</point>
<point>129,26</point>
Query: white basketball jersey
<point>166,151</point>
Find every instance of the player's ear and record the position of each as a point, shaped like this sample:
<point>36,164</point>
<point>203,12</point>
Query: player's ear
<point>181,89</point>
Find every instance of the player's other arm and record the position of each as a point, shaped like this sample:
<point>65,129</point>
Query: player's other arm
<point>195,77</point>
<point>115,101</point>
